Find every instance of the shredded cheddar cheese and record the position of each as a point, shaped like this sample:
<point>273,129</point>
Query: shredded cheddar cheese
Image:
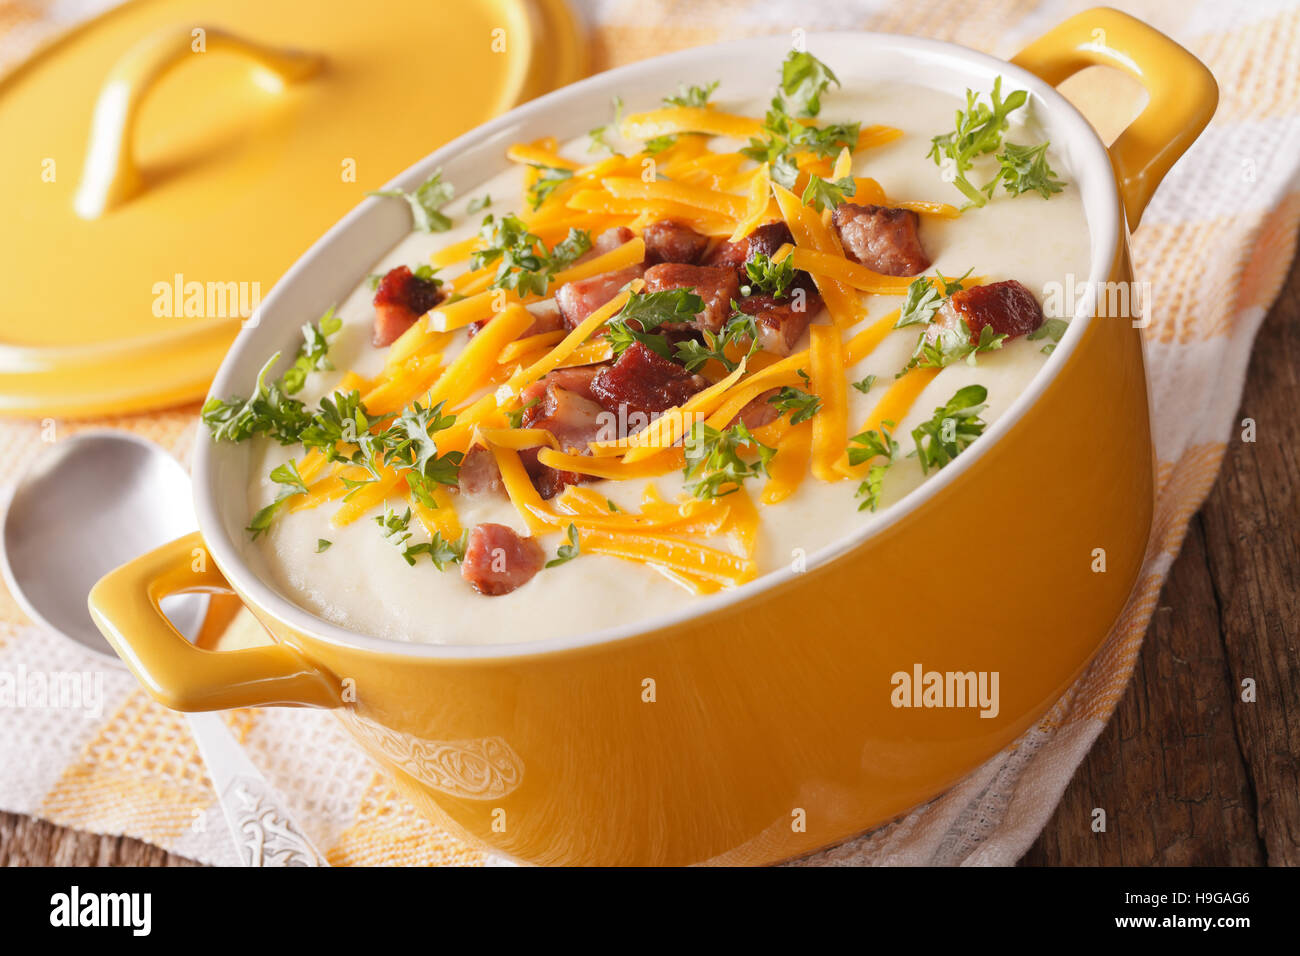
<point>721,194</point>
<point>829,384</point>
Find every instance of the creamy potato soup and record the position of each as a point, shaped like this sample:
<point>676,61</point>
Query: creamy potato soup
<point>659,361</point>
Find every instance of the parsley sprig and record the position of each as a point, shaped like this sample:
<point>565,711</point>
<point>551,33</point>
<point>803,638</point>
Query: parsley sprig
<point>766,276</point>
<point>925,296</point>
<point>599,135</point>
<point>647,311</point>
<point>695,96</point>
<point>738,329</point>
<point>1051,329</point>
<point>978,131</point>
<point>441,551</point>
<point>397,529</point>
<point>802,405</point>
<point>821,193</point>
<point>291,484</point>
<point>269,411</point>
<point>951,430</point>
<point>549,178</point>
<point>872,444</point>
<point>804,79</point>
<point>426,202</point>
<point>714,466</point>
<point>525,264</point>
<point>313,354</point>
<point>566,552</point>
<point>951,345</point>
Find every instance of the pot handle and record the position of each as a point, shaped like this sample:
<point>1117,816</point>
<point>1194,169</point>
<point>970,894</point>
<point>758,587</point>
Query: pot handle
<point>125,607</point>
<point>1181,90</point>
<point>111,176</point>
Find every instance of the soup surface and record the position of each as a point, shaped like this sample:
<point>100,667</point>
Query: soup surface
<point>700,507</point>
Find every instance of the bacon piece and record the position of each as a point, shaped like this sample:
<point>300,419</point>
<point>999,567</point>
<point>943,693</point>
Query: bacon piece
<point>781,321</point>
<point>563,403</point>
<point>479,473</point>
<point>643,383</point>
<point>717,286</point>
<point>400,298</point>
<point>764,240</point>
<point>577,300</point>
<point>728,254</point>
<point>497,560</point>
<point>1008,307</point>
<point>607,241</point>
<point>669,241</point>
<point>882,239</point>
<point>759,411</point>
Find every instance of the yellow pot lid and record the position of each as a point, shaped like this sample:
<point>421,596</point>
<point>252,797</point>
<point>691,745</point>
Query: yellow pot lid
<point>226,138</point>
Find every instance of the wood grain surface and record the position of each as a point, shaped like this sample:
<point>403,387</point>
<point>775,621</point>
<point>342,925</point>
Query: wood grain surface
<point>1186,771</point>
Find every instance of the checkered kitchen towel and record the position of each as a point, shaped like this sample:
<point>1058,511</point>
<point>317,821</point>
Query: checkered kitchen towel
<point>1215,243</point>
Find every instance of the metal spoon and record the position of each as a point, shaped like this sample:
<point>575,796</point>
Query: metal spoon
<point>93,502</point>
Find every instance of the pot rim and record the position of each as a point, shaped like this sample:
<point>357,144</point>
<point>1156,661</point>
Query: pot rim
<point>1102,217</point>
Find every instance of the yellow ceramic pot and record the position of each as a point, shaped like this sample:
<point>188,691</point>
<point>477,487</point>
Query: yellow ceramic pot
<point>764,725</point>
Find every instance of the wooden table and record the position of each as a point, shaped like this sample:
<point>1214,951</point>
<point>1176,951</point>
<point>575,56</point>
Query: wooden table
<point>1186,772</point>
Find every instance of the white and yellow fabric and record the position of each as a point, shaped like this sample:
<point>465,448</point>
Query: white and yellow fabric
<point>1215,244</point>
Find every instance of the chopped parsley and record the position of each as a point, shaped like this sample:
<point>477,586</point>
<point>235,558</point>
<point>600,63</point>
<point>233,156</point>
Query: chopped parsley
<point>549,178</point>
<point>691,95</point>
<point>952,429</point>
<point>925,298</point>
<point>479,203</point>
<point>766,276</point>
<point>291,484</point>
<point>650,310</point>
<point>873,444</point>
<point>270,411</point>
<point>396,528</point>
<point>516,415</point>
<point>979,129</point>
<point>409,448</point>
<point>599,134</point>
<point>740,327</point>
<point>526,265</point>
<point>954,345</point>
<point>804,79</point>
<point>426,202</point>
<point>659,143</point>
<point>821,193</point>
<point>714,467</point>
<point>440,551</point>
<point>313,354</point>
<point>864,385</point>
<point>566,552</point>
<point>800,404</point>
<point>1051,329</point>
<point>323,544</point>
<point>1025,169</point>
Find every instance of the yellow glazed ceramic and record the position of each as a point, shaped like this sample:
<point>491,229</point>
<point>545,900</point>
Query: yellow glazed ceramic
<point>155,162</point>
<point>761,727</point>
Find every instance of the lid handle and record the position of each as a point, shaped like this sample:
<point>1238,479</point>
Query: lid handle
<point>111,176</point>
